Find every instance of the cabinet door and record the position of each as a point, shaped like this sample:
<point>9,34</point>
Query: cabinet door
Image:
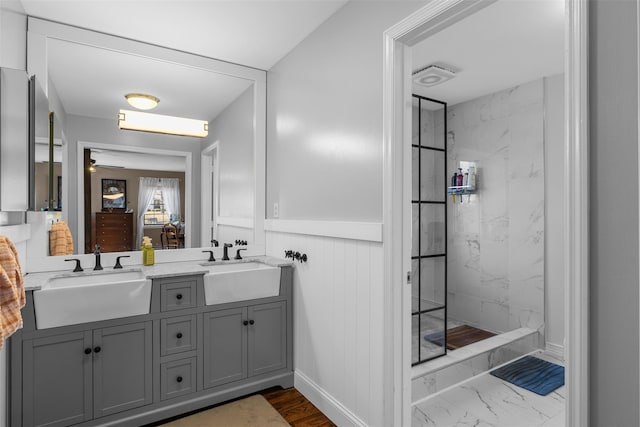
<point>122,365</point>
<point>225,347</point>
<point>56,375</point>
<point>267,337</point>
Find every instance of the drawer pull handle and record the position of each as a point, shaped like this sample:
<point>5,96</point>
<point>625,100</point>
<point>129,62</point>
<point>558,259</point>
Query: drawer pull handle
<point>179,335</point>
<point>179,296</point>
<point>97,349</point>
<point>251,322</point>
<point>179,379</point>
<point>245,323</point>
<point>87,351</point>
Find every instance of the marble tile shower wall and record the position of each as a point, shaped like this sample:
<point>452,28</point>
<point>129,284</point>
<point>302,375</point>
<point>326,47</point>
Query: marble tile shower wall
<point>496,236</point>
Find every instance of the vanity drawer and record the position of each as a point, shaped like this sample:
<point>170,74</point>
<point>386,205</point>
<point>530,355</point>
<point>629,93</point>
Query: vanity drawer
<point>177,296</point>
<point>177,378</point>
<point>177,335</point>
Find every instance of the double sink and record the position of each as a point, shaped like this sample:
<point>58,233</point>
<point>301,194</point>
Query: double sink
<point>73,298</point>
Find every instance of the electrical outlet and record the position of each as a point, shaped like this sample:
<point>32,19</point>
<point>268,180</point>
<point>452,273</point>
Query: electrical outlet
<point>276,210</point>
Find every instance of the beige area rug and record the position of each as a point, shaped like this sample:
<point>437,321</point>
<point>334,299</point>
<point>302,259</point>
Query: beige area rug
<point>253,411</point>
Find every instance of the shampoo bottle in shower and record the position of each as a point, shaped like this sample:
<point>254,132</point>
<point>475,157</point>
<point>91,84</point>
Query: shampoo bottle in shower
<point>460,177</point>
<point>472,178</point>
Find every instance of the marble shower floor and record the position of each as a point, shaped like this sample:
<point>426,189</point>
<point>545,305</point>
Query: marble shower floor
<point>487,401</point>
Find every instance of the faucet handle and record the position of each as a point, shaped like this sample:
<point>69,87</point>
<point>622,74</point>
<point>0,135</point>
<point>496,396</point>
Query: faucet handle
<point>211,258</point>
<point>97,250</point>
<point>118,265</point>
<point>238,253</point>
<point>78,267</point>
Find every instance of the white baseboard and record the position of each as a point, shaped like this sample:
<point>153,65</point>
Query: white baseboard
<point>326,403</point>
<point>555,350</point>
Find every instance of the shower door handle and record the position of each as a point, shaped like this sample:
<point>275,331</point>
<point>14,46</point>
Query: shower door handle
<point>408,277</point>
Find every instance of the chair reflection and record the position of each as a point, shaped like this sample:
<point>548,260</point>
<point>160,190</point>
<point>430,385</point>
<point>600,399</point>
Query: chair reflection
<point>169,237</point>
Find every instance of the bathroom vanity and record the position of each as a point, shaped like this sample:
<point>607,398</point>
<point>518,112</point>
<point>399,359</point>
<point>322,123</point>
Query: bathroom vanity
<point>188,352</point>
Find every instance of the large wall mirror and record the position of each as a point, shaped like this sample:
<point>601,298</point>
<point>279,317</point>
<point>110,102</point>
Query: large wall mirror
<point>102,172</point>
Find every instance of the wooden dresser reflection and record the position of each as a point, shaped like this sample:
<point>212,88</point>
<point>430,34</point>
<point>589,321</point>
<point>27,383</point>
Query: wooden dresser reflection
<point>114,231</point>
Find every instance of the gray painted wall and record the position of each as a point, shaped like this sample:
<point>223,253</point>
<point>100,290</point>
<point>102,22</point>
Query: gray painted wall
<point>324,117</point>
<point>233,129</point>
<point>613,55</point>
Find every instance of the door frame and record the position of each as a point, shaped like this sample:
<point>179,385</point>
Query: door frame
<point>210,192</point>
<point>433,17</point>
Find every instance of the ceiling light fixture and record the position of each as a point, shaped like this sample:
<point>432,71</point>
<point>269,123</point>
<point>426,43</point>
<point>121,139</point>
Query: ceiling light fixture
<point>92,166</point>
<point>142,101</point>
<point>147,122</point>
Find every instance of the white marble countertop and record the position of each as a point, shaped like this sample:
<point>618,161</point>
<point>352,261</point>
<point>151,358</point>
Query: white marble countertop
<point>34,281</point>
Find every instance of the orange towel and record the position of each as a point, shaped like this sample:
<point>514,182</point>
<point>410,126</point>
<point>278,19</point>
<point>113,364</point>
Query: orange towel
<point>12,296</point>
<point>60,239</point>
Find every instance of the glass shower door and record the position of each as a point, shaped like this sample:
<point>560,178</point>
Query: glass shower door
<point>429,230</point>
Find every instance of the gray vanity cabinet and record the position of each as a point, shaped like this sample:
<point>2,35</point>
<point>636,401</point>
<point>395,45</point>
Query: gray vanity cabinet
<point>225,346</point>
<point>244,342</point>
<point>267,338</point>
<point>182,356</point>
<point>78,376</point>
<point>122,368</point>
<point>57,387</point>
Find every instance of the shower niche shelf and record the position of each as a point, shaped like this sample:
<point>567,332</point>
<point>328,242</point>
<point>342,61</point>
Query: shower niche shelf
<point>462,189</point>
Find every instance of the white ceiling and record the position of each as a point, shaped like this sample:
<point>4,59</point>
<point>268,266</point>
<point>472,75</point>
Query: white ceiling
<point>92,82</point>
<point>509,42</point>
<point>254,33</point>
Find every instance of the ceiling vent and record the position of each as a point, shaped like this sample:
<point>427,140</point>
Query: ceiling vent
<point>432,75</point>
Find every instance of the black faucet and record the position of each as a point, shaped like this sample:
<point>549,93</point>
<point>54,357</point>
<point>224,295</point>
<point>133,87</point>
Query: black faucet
<point>78,266</point>
<point>98,266</point>
<point>211,258</point>
<point>214,242</point>
<point>238,253</point>
<point>225,254</point>
<point>118,265</point>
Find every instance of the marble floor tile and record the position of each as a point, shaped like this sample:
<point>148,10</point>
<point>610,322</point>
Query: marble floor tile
<point>488,401</point>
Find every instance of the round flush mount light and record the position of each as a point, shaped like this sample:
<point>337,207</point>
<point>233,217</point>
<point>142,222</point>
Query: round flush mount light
<point>142,101</point>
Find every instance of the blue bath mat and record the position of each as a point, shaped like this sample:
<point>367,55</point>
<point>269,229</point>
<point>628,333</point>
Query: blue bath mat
<point>436,338</point>
<point>533,374</point>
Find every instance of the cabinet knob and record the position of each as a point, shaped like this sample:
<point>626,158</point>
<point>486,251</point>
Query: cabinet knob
<point>251,322</point>
<point>179,335</point>
<point>179,296</point>
<point>97,349</point>
<point>245,323</point>
<point>179,379</point>
<point>87,351</point>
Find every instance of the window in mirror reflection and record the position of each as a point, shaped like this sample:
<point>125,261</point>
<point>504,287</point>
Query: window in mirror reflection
<point>156,213</point>
<point>159,199</point>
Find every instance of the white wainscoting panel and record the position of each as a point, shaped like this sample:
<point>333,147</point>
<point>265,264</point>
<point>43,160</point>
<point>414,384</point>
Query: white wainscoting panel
<point>338,324</point>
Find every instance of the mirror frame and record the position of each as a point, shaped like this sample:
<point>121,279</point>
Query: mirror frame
<point>40,31</point>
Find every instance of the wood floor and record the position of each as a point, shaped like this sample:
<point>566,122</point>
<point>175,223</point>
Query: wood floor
<point>295,408</point>
<point>464,335</point>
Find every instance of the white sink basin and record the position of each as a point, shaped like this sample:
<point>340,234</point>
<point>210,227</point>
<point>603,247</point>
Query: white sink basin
<point>69,299</point>
<point>239,282</point>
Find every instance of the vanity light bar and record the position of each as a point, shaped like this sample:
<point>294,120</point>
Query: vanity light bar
<point>148,122</point>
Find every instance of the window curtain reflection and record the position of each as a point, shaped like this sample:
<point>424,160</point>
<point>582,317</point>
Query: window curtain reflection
<point>171,197</point>
<point>147,188</point>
